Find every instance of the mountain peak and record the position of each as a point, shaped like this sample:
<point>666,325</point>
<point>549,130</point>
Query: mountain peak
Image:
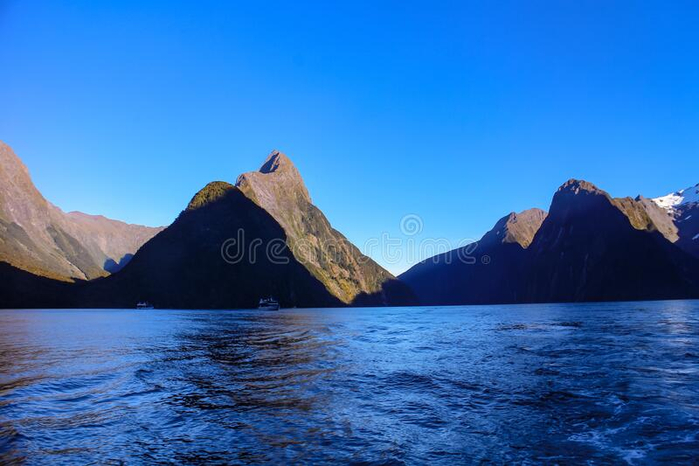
<point>575,186</point>
<point>517,228</point>
<point>278,177</point>
<point>276,161</point>
<point>349,275</point>
<point>209,193</point>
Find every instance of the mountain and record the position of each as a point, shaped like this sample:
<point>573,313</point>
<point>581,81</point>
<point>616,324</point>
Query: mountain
<point>348,274</point>
<point>234,244</point>
<point>678,199</point>
<point>40,238</point>
<point>590,247</point>
<point>683,208</point>
<point>644,214</point>
<point>231,246</point>
<point>21,289</point>
<point>484,272</point>
<point>223,251</point>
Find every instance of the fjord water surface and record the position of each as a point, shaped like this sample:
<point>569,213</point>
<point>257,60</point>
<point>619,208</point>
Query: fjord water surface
<point>608,382</point>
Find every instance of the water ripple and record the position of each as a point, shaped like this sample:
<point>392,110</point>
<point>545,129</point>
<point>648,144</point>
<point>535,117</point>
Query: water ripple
<point>606,383</point>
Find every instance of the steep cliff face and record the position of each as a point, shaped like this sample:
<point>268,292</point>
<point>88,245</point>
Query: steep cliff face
<point>347,273</point>
<point>38,237</point>
<point>30,239</point>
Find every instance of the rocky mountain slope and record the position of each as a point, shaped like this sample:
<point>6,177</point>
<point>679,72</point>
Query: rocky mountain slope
<point>38,237</point>
<point>347,273</point>
<point>644,214</point>
<point>589,247</point>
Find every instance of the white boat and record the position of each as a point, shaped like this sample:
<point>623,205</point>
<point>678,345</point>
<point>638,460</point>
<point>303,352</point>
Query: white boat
<point>268,304</point>
<point>144,305</point>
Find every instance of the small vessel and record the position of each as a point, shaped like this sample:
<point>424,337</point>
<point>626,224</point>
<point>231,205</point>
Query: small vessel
<point>268,304</point>
<point>144,305</point>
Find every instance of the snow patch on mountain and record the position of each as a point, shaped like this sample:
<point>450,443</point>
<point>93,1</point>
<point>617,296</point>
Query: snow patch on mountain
<point>684,196</point>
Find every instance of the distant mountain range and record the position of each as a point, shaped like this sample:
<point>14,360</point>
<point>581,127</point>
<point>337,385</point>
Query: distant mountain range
<point>40,238</point>
<point>234,244</point>
<point>589,247</point>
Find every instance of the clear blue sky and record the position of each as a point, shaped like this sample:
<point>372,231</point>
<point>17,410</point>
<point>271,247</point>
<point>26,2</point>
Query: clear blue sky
<point>459,112</point>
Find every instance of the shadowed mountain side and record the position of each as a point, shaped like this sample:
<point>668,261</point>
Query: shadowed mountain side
<point>112,266</point>
<point>590,247</point>
<point>588,250</point>
<point>687,220</point>
<point>22,290</point>
<point>485,272</point>
<point>448,279</point>
<point>393,292</point>
<point>183,266</point>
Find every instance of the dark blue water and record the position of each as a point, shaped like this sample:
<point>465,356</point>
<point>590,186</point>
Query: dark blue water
<point>539,383</point>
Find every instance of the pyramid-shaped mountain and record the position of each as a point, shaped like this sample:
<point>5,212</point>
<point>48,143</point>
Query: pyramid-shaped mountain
<point>233,245</point>
<point>223,251</point>
<point>348,274</point>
